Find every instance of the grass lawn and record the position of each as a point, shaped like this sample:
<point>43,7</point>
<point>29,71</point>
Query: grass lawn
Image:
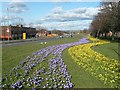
<point>109,50</point>
<point>12,55</point>
<point>80,77</point>
<point>0,61</point>
<point>84,79</point>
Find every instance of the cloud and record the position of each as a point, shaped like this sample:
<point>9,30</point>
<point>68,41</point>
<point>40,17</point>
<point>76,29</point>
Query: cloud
<point>68,25</point>
<point>73,19</point>
<point>82,0</point>
<point>12,19</point>
<point>57,10</point>
<point>60,0</point>
<point>59,15</point>
<point>17,7</point>
<point>17,0</point>
<point>73,25</point>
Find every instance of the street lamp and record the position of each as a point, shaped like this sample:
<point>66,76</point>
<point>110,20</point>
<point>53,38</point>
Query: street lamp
<point>51,30</point>
<point>8,25</point>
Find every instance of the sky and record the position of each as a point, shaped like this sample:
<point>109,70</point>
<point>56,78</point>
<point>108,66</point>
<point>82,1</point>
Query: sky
<point>51,15</point>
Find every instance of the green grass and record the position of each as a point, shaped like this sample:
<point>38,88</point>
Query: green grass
<point>80,77</point>
<point>110,50</point>
<point>12,55</point>
<point>0,61</point>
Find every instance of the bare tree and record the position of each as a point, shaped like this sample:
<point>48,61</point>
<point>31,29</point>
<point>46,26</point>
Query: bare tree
<point>107,20</point>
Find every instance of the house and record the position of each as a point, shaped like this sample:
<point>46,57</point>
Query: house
<point>16,32</point>
<point>41,32</point>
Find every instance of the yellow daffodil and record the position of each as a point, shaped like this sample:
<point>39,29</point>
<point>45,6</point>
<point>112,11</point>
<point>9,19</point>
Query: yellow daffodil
<point>103,68</point>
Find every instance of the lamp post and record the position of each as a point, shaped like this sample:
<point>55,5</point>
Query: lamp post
<point>8,31</point>
<point>51,30</point>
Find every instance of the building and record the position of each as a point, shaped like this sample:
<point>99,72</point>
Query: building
<point>16,32</point>
<point>42,32</point>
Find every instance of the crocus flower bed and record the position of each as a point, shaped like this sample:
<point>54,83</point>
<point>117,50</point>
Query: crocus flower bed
<point>104,68</point>
<point>42,69</point>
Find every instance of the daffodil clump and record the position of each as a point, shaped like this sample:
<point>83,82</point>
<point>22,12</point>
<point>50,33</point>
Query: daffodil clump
<point>104,68</point>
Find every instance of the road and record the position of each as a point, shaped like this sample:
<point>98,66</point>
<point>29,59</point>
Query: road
<point>20,42</point>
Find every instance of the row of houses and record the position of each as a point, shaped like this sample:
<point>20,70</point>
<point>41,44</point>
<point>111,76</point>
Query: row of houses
<point>44,32</point>
<point>16,32</point>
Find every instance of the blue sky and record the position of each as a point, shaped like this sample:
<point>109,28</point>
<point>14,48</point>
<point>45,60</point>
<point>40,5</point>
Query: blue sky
<point>50,15</point>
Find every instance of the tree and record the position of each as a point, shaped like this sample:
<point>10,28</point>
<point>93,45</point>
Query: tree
<point>107,20</point>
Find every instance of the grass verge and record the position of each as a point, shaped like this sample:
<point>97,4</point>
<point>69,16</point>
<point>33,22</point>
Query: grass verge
<point>80,77</point>
<point>12,55</point>
<point>110,50</point>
